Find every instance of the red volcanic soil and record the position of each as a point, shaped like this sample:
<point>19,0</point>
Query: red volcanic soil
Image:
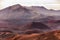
<point>54,35</point>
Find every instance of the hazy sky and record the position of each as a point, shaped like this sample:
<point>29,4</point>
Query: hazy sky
<point>51,4</point>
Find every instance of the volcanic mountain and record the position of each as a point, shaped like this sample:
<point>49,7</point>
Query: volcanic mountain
<point>27,20</point>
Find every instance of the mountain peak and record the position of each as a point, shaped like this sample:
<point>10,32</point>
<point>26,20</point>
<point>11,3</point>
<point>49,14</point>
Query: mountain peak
<point>39,7</point>
<point>13,7</point>
<point>17,6</point>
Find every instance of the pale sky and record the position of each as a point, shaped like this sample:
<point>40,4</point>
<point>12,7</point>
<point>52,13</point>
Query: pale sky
<point>50,4</point>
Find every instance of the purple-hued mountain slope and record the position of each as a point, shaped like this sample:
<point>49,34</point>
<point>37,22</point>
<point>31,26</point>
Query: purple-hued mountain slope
<point>24,19</point>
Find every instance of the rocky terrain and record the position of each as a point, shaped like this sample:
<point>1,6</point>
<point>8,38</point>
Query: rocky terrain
<point>29,23</point>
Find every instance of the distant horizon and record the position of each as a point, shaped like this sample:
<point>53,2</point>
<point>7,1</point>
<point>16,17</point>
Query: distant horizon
<point>30,6</point>
<point>49,4</point>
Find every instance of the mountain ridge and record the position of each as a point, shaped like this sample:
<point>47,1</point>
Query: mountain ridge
<point>18,17</point>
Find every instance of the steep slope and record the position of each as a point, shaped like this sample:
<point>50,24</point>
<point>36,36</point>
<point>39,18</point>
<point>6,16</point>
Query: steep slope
<point>21,19</point>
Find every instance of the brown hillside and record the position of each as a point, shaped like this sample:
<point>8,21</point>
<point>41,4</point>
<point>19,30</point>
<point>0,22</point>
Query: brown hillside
<point>54,35</point>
